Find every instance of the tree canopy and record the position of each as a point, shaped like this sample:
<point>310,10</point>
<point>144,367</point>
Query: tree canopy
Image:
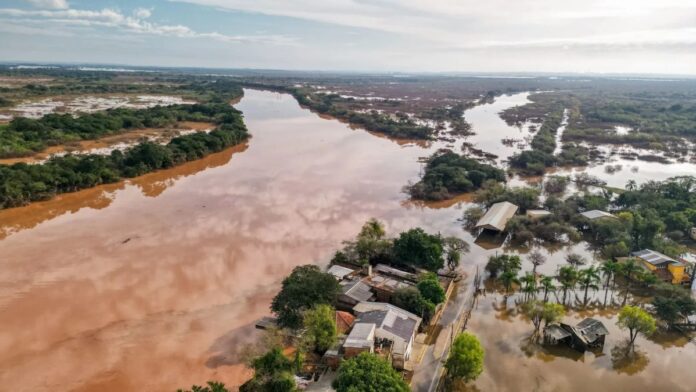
<point>272,373</point>
<point>465,360</point>
<point>637,321</point>
<point>368,373</point>
<point>320,327</point>
<point>306,287</point>
<point>416,248</point>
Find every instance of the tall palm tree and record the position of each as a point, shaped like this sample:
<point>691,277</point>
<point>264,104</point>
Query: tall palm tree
<point>546,283</point>
<point>631,185</point>
<point>609,270</point>
<point>529,284</point>
<point>508,278</point>
<point>567,277</point>
<point>588,278</point>
<point>629,269</point>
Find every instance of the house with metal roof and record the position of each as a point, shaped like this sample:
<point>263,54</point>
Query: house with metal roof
<point>391,323</point>
<point>360,339</point>
<point>587,334</point>
<point>353,292</point>
<point>535,214</point>
<point>663,266</point>
<point>497,217</point>
<point>597,214</point>
<point>340,272</point>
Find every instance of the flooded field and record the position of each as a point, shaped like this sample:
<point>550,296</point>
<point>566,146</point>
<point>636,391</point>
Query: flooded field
<point>155,283</point>
<point>88,104</point>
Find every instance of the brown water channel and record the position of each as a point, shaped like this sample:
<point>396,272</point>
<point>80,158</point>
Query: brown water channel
<point>155,283</point>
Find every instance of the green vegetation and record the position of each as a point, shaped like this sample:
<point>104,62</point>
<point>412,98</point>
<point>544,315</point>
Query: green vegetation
<point>25,136</point>
<point>213,386</point>
<point>539,311</point>
<point>448,174</point>
<point>637,321</point>
<point>306,287</point>
<point>416,248</point>
<point>23,183</point>
<point>368,373</point>
<point>320,328</point>
<point>402,127</point>
<point>465,360</point>
<point>412,300</point>
<point>431,289</point>
<point>272,373</point>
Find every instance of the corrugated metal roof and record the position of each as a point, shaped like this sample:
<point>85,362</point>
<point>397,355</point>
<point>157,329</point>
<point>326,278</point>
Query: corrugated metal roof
<point>497,216</point>
<point>339,272</point>
<point>361,336</point>
<point>357,290</point>
<point>596,214</point>
<point>654,258</point>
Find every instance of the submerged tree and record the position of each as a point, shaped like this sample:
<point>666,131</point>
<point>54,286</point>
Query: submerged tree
<point>416,248</point>
<point>588,279</point>
<point>538,311</point>
<point>529,284</point>
<point>637,321</point>
<point>212,386</point>
<point>537,259</point>
<point>272,372</point>
<point>575,260</point>
<point>609,269</point>
<point>567,277</point>
<point>454,247</point>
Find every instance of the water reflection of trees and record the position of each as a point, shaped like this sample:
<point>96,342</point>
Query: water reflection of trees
<point>15,220</point>
<point>627,361</point>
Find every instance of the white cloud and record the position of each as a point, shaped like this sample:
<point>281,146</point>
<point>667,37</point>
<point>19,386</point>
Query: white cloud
<point>51,4</point>
<point>136,23</point>
<point>142,13</point>
<point>495,23</point>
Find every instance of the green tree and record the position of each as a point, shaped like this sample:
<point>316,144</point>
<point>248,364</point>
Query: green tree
<point>501,263</point>
<point>304,288</point>
<point>547,285</point>
<point>409,298</point>
<point>368,373</point>
<point>431,289</point>
<point>609,269</point>
<point>272,373</point>
<point>575,260</point>
<point>588,279</point>
<point>213,386</point>
<point>320,327</point>
<point>465,360</point>
<point>416,248</point>
<point>673,303</point>
<point>568,278</point>
<point>538,311</point>
<point>454,247</point>
<point>508,279</point>
<point>637,321</point>
<point>529,284</point>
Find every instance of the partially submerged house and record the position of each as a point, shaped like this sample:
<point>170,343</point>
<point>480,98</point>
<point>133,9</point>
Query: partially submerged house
<point>393,324</point>
<point>664,267</point>
<point>497,217</point>
<point>597,214</point>
<point>587,334</point>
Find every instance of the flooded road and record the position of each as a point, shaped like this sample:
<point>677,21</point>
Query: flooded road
<point>155,283</point>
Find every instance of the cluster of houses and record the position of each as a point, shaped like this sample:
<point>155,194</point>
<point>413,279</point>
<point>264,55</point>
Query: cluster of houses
<point>366,321</point>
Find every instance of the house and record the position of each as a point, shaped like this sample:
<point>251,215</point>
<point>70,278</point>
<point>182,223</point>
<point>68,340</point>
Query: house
<point>664,267</point>
<point>536,214</point>
<point>340,273</point>
<point>497,217</point>
<point>353,292</point>
<point>361,339</point>
<point>587,334</point>
<point>597,214</point>
<point>393,324</point>
<point>344,322</point>
<point>396,273</point>
<point>384,286</point>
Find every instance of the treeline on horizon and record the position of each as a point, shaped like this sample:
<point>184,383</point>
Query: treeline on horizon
<point>24,183</point>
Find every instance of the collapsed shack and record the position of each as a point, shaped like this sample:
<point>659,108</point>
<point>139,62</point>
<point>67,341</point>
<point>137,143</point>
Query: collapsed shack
<point>586,335</point>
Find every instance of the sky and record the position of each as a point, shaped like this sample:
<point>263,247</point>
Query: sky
<point>589,36</point>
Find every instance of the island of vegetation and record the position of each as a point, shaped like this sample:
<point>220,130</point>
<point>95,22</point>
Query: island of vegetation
<point>448,174</point>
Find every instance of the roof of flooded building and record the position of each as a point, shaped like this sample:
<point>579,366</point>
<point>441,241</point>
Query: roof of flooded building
<point>655,258</point>
<point>389,318</point>
<point>556,332</point>
<point>596,214</point>
<point>537,213</point>
<point>361,336</point>
<point>357,290</point>
<point>497,216</point>
<point>386,283</point>
<point>592,329</point>
<point>339,272</point>
<point>387,270</point>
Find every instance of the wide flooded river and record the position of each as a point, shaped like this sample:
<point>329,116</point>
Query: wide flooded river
<point>155,283</point>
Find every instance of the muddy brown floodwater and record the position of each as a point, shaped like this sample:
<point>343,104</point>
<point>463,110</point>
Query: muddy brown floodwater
<point>155,283</point>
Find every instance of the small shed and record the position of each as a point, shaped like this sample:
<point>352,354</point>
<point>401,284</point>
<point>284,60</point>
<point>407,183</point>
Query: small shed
<point>554,334</point>
<point>497,217</point>
<point>535,214</point>
<point>361,339</point>
<point>587,334</point>
<point>597,214</point>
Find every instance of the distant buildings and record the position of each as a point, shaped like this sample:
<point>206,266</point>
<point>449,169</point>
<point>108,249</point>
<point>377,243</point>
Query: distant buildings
<point>664,267</point>
<point>497,217</point>
<point>535,214</point>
